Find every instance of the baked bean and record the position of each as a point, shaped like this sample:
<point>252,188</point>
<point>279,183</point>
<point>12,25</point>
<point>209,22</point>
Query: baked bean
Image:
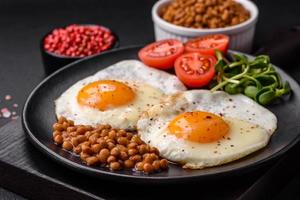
<point>66,136</point>
<point>115,166</point>
<point>55,133</point>
<point>163,163</point>
<point>106,138</point>
<point>87,143</point>
<point>81,130</point>
<point>71,129</point>
<point>110,140</point>
<point>89,133</point>
<point>148,168</point>
<point>93,160</point>
<point>100,139</point>
<point>81,138</point>
<point>132,152</point>
<point>110,145</point>
<point>107,126</point>
<point>154,150</point>
<point>83,156</point>
<point>145,155</point>
<point>67,145</point>
<point>122,140</point>
<point>77,149</point>
<point>148,159</point>
<point>122,147</point>
<point>102,143</point>
<point>58,127</point>
<point>153,156</point>
<point>137,139</point>
<point>136,158</point>
<point>128,164</point>
<point>112,134</point>
<point>88,128</point>
<point>86,149</point>
<point>123,155</point>
<point>73,134</point>
<point>122,133</point>
<point>96,148</point>
<point>156,165</point>
<point>65,125</point>
<point>139,166</point>
<point>61,119</point>
<point>115,152</point>
<point>104,132</point>
<point>129,135</point>
<point>99,127</point>
<point>58,139</point>
<point>74,141</point>
<point>132,145</point>
<point>111,159</point>
<point>103,155</point>
<point>143,148</point>
<point>93,138</point>
<point>234,21</point>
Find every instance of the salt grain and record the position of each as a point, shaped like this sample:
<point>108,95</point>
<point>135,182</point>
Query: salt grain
<point>6,114</point>
<point>14,117</point>
<point>8,97</point>
<point>4,110</point>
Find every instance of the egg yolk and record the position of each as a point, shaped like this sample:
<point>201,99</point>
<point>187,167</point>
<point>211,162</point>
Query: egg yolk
<point>201,127</point>
<point>105,94</point>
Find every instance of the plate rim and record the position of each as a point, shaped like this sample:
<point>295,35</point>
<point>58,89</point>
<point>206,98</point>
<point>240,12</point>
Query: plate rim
<point>109,174</point>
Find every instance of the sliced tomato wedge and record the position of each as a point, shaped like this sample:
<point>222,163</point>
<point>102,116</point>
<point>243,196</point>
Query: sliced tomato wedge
<point>161,54</point>
<point>207,44</point>
<point>194,69</point>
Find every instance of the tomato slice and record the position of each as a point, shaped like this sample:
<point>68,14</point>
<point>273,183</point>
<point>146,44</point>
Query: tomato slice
<point>207,44</point>
<point>195,69</point>
<point>161,54</point>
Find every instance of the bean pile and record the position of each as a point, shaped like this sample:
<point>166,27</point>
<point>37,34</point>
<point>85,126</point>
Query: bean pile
<point>105,146</point>
<point>205,13</point>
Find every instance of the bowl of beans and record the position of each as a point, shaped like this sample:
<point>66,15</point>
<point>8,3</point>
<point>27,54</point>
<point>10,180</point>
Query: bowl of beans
<point>186,19</point>
<point>62,46</point>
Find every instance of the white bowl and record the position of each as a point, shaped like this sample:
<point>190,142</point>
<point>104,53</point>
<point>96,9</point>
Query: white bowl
<point>241,35</point>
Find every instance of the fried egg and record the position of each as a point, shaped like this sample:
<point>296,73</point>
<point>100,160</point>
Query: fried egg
<point>116,95</point>
<point>199,128</point>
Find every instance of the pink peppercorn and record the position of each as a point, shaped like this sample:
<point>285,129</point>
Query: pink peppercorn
<point>79,40</point>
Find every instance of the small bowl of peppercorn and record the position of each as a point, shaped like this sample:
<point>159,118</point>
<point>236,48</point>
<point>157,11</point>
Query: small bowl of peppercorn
<point>62,46</point>
<point>186,19</point>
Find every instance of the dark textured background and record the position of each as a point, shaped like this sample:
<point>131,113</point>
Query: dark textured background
<point>23,23</point>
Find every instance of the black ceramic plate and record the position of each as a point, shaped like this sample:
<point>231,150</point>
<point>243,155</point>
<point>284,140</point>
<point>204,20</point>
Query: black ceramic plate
<point>38,117</point>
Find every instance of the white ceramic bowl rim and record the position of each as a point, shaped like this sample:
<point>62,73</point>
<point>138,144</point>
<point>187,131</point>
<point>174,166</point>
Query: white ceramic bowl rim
<point>192,31</point>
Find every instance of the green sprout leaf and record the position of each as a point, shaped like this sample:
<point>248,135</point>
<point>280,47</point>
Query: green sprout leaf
<point>256,78</point>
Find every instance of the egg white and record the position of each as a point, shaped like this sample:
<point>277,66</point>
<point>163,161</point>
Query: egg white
<point>134,70</point>
<point>246,133</point>
<point>149,85</point>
